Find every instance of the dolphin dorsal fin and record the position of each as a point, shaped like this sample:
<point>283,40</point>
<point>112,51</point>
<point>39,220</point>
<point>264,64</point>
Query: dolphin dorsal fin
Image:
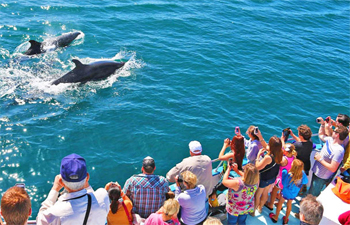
<point>77,63</point>
<point>34,43</point>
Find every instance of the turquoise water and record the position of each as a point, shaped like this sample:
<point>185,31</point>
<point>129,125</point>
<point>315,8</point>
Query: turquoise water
<point>194,71</point>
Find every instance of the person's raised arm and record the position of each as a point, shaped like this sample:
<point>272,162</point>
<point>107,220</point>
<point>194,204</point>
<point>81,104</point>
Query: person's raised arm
<point>328,126</point>
<point>230,183</point>
<point>261,139</point>
<point>260,164</point>
<point>296,138</point>
<point>222,155</point>
<point>282,139</point>
<point>321,130</point>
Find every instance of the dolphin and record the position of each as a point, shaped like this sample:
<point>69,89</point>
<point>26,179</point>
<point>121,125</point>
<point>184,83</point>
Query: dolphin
<point>89,72</point>
<point>60,41</point>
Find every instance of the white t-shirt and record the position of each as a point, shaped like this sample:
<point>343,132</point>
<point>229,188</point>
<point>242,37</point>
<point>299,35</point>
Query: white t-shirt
<point>330,152</point>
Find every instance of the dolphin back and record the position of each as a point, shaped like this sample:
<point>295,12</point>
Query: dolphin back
<point>73,76</point>
<point>91,72</point>
<point>65,39</point>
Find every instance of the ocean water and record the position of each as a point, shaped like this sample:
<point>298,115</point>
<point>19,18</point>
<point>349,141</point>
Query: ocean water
<point>194,71</point>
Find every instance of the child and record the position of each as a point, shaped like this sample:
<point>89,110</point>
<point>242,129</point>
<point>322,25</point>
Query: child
<point>289,155</point>
<point>292,181</point>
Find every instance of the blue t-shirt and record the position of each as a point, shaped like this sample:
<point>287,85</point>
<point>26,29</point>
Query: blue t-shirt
<point>290,189</point>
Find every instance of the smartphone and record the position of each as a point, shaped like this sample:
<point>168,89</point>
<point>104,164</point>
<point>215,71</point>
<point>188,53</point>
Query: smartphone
<point>237,130</point>
<point>21,185</point>
<point>286,132</point>
<point>256,130</point>
<point>230,162</point>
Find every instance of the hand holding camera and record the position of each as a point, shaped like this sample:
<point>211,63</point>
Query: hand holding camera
<point>179,180</point>
<point>234,166</point>
<point>262,152</point>
<point>319,120</point>
<point>256,130</point>
<point>285,133</point>
<point>227,141</point>
<point>230,162</point>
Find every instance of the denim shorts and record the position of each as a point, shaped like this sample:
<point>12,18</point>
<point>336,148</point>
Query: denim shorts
<point>265,183</point>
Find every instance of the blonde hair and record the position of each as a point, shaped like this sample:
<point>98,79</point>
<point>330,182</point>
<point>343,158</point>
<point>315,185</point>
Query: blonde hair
<point>171,207</point>
<point>190,179</point>
<point>296,170</point>
<point>291,151</point>
<point>212,221</point>
<point>251,174</point>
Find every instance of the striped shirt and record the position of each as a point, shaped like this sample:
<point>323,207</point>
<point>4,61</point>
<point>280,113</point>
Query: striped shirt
<point>147,192</point>
<point>330,152</point>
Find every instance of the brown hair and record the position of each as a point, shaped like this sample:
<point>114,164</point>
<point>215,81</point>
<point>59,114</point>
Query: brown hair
<point>275,145</point>
<point>15,206</point>
<point>305,131</point>
<point>251,174</point>
<point>342,131</point>
<point>296,170</point>
<point>237,144</point>
<point>114,195</point>
<point>251,132</point>
<point>343,119</point>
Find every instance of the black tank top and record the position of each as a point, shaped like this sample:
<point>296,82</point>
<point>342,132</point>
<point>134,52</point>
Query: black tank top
<point>270,170</point>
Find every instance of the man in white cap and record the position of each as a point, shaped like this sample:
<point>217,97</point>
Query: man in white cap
<point>198,164</point>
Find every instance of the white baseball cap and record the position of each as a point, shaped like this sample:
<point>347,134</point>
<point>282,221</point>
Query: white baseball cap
<point>287,148</point>
<point>195,147</point>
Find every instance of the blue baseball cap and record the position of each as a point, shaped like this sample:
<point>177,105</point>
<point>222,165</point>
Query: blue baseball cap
<point>73,168</point>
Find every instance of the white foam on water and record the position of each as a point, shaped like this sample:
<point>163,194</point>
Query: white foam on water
<point>31,78</point>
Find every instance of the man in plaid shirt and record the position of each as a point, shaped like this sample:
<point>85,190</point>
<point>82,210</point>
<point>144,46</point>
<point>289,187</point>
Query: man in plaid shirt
<point>146,190</point>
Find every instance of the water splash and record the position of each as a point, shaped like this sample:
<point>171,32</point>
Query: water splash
<point>25,80</point>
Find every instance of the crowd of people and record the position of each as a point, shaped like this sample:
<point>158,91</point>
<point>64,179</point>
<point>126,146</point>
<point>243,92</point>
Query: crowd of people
<point>147,198</point>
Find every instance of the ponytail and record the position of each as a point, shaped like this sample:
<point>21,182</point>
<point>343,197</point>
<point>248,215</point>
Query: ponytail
<point>114,195</point>
<point>114,205</point>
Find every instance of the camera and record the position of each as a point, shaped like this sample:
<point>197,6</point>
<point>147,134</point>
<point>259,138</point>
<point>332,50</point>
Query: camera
<point>230,162</point>
<point>318,120</point>
<point>237,130</point>
<point>180,179</point>
<point>327,119</point>
<point>256,130</point>
<point>286,133</point>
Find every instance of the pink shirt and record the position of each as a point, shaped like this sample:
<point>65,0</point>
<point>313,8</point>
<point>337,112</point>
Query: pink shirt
<point>278,181</point>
